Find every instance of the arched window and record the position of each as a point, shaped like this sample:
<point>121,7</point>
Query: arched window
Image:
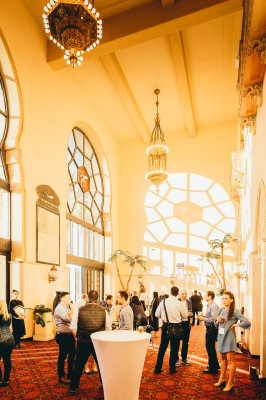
<point>85,230</point>
<point>5,244</point>
<point>188,211</point>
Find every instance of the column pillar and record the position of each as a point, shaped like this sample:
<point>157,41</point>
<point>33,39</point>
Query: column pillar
<point>263,310</point>
<point>253,302</point>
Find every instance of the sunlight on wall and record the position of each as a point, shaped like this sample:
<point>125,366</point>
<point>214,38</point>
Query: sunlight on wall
<point>188,211</point>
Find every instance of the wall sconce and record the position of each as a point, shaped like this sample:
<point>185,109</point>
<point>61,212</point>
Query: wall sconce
<point>172,279</point>
<point>52,274</point>
<point>241,275</point>
<point>140,279</point>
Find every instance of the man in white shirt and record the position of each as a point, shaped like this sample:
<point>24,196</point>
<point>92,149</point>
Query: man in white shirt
<point>176,310</point>
<point>186,327</point>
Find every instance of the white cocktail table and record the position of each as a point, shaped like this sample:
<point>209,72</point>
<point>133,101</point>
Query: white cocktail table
<point>121,356</point>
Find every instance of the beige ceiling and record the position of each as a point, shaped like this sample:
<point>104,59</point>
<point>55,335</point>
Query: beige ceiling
<point>186,49</point>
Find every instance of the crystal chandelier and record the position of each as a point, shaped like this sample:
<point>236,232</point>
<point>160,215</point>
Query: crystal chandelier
<point>157,152</point>
<point>74,26</point>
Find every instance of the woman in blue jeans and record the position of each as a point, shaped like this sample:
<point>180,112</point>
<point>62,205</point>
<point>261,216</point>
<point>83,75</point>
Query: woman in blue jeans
<point>7,343</point>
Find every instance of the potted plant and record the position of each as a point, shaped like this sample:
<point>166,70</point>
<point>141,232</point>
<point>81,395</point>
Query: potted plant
<point>38,312</point>
<point>43,323</point>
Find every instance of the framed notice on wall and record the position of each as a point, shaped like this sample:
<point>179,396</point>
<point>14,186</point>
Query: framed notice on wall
<point>48,236</point>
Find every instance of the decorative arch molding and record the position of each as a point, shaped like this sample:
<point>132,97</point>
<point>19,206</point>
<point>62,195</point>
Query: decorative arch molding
<point>260,225</point>
<point>15,124</point>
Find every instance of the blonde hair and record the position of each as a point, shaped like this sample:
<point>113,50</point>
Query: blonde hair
<point>3,310</point>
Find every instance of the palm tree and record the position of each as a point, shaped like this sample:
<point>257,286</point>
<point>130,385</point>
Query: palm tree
<point>131,260</point>
<point>217,244</point>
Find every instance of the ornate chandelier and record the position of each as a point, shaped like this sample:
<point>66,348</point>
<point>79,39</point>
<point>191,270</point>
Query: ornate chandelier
<point>74,26</point>
<point>157,152</point>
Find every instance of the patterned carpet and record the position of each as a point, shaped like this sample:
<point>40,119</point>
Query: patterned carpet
<point>34,376</point>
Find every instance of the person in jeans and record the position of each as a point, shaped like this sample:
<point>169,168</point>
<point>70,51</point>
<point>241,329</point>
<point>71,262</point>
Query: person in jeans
<point>91,318</point>
<point>126,313</point>
<point>176,310</point>
<point>7,343</point>
<point>211,332</point>
<point>64,337</point>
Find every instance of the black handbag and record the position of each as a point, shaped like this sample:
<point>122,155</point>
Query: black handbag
<point>173,330</point>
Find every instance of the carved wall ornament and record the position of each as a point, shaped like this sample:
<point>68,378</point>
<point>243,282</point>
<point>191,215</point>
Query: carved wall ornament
<point>249,122</point>
<point>255,92</point>
<point>258,47</point>
<point>48,197</point>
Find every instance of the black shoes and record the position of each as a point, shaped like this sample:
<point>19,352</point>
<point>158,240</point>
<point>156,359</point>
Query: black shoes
<point>4,383</point>
<point>210,371</point>
<point>173,371</point>
<point>64,380</point>
<point>157,371</point>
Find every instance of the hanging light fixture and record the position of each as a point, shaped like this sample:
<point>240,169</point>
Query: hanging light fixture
<point>73,25</point>
<point>157,152</point>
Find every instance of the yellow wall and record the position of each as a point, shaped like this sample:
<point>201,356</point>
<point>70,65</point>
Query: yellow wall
<point>53,102</point>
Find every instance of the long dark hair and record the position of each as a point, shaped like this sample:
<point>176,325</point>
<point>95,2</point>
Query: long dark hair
<point>156,297</point>
<point>232,304</point>
<point>135,300</point>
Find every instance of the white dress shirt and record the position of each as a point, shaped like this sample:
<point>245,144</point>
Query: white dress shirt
<point>176,310</point>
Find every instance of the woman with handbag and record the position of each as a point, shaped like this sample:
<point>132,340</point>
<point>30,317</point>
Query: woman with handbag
<point>7,342</point>
<point>227,321</point>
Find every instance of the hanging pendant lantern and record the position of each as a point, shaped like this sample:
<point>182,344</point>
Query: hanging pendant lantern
<point>157,152</point>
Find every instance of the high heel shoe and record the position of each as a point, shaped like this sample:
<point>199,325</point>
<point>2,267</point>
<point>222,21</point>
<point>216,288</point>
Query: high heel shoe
<point>228,388</point>
<point>221,382</point>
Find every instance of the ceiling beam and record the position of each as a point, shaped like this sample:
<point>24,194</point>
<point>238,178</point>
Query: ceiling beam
<point>167,3</point>
<point>177,48</point>
<point>122,87</point>
<point>147,22</point>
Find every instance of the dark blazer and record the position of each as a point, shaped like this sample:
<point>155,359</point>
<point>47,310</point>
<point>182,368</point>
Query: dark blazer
<point>189,306</point>
<point>196,301</point>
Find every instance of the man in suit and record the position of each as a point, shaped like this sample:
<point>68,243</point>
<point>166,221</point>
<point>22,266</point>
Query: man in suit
<point>196,301</point>
<point>186,327</point>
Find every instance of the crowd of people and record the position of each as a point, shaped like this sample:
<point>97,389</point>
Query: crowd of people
<point>76,323</point>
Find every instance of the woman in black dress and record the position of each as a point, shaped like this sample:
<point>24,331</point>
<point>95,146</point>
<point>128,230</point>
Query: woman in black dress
<point>6,343</point>
<point>18,324</point>
<point>140,318</point>
<point>154,321</point>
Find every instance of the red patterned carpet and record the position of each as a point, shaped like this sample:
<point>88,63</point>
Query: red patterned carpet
<point>34,376</point>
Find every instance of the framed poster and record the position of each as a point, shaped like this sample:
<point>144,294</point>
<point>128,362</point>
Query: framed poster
<point>48,236</point>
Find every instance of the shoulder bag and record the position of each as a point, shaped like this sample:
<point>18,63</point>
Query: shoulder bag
<point>173,330</point>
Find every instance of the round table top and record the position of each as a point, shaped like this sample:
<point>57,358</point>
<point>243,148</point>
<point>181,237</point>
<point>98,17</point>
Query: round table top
<point>120,336</point>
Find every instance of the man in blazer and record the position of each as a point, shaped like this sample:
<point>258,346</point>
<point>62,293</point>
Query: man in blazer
<point>186,327</point>
<point>196,305</point>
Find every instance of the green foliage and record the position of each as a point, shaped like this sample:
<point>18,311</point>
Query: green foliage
<point>218,245</point>
<point>129,259</point>
<point>220,292</point>
<point>38,312</point>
